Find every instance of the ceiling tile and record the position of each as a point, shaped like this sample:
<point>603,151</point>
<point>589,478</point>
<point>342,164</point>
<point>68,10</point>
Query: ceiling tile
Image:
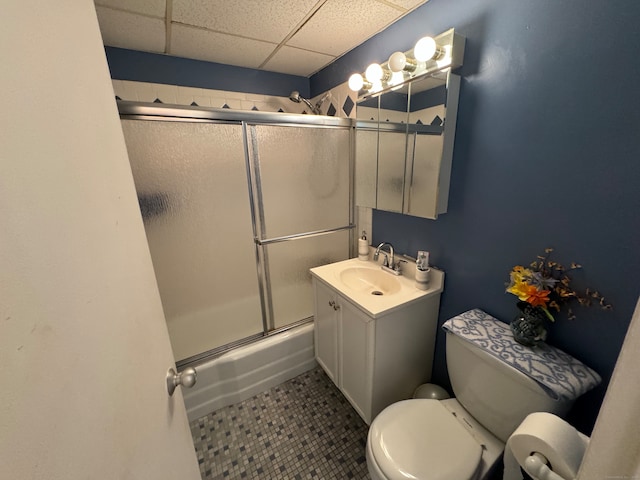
<point>246,32</point>
<point>339,25</point>
<point>191,42</point>
<point>408,4</point>
<point>297,62</point>
<point>155,8</point>
<point>270,20</point>
<point>128,30</point>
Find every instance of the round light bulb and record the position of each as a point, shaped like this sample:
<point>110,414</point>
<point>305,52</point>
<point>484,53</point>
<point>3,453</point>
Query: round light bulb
<point>425,49</point>
<point>374,73</point>
<point>397,61</point>
<point>356,82</point>
<point>376,87</point>
<point>396,79</point>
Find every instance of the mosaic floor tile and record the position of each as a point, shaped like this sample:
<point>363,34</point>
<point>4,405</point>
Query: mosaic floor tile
<point>301,429</point>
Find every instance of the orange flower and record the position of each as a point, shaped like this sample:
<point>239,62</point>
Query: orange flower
<point>537,298</point>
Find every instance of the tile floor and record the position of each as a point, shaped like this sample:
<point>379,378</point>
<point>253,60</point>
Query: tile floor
<point>303,428</point>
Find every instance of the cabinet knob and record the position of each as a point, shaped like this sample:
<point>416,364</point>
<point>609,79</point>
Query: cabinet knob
<point>336,306</point>
<point>332,304</point>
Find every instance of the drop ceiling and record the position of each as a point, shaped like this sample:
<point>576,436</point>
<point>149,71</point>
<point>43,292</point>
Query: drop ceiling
<point>298,37</point>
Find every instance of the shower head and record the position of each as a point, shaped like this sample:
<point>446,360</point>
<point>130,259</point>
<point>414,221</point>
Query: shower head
<point>295,97</point>
<point>315,109</point>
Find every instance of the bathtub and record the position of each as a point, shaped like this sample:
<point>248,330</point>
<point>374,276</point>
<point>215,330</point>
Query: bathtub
<point>245,371</point>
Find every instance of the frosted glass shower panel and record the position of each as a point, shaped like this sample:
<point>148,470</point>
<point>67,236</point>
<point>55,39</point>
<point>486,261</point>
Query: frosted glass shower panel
<point>304,178</point>
<point>289,277</point>
<point>192,187</point>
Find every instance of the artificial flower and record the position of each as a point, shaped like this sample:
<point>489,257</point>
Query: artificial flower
<point>545,284</point>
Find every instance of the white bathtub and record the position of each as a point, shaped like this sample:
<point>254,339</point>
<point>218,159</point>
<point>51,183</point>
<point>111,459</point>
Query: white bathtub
<point>246,371</point>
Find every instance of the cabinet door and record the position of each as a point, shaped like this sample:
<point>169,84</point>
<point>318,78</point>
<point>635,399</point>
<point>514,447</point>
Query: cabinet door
<point>356,352</point>
<point>326,330</point>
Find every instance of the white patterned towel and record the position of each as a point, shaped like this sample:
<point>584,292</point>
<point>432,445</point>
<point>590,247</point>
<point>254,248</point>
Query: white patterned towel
<point>559,374</point>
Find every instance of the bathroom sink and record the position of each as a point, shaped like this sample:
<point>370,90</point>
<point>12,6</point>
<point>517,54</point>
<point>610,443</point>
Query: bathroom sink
<point>367,280</point>
<point>374,290</point>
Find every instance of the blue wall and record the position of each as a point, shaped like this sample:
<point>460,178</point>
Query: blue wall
<point>151,67</point>
<point>546,154</point>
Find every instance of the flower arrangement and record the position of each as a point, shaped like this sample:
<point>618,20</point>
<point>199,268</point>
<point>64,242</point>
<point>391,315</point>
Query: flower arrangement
<point>546,284</point>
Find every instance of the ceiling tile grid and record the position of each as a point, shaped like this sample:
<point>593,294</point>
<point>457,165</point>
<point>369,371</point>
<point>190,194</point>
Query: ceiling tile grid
<point>133,31</point>
<point>341,25</point>
<point>297,37</point>
<point>201,44</point>
<point>295,61</point>
<point>406,4</point>
<point>268,20</point>
<point>153,8</point>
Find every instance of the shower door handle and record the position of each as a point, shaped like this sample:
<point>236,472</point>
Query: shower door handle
<point>187,378</point>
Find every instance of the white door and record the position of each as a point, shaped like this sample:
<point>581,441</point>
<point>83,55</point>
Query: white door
<point>83,344</point>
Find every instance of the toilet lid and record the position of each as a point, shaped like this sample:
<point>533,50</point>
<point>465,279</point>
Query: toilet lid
<point>421,439</point>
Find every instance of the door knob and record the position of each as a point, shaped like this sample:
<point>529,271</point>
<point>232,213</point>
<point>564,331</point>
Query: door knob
<point>187,378</point>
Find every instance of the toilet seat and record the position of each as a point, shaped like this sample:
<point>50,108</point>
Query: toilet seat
<point>421,439</point>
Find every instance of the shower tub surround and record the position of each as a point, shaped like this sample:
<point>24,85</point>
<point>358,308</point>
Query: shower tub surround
<point>341,102</point>
<point>193,213</point>
<point>246,371</point>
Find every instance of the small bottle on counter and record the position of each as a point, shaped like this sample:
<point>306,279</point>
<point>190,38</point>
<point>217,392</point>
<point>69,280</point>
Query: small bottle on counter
<point>363,247</point>
<point>422,270</point>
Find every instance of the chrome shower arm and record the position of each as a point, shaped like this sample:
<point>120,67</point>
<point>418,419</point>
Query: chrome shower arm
<point>314,110</point>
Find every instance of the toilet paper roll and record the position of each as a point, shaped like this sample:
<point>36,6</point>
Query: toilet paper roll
<point>561,444</point>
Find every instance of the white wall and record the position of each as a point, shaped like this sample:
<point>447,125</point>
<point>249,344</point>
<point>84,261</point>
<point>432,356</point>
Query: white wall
<point>84,349</point>
<point>614,450</point>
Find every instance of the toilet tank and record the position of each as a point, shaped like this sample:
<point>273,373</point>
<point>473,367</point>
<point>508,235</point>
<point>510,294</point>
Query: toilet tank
<point>493,392</point>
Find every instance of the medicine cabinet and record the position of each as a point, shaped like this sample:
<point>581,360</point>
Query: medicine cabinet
<point>404,145</point>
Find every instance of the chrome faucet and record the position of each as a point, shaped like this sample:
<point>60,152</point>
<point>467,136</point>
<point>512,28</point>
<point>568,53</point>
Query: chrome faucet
<point>389,263</point>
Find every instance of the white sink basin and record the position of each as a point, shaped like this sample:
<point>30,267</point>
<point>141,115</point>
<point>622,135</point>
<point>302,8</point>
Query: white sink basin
<point>368,280</point>
<point>374,290</point>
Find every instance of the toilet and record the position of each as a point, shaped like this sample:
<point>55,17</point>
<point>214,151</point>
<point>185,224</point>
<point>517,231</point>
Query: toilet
<point>496,382</point>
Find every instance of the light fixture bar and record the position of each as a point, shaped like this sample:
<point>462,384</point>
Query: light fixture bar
<point>429,55</point>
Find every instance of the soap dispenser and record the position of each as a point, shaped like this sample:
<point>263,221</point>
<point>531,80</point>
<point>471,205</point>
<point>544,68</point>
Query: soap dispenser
<point>363,247</point>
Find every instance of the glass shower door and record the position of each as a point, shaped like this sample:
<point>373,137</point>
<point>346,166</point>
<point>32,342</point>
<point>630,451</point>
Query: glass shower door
<point>302,186</point>
<point>191,180</point>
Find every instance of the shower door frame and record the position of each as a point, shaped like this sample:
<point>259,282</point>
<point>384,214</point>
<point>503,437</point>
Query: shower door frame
<point>173,113</point>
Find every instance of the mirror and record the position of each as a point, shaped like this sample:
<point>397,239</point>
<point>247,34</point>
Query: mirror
<point>392,146</point>
<point>433,108</point>
<point>404,146</point>
<point>405,128</point>
<point>366,157</point>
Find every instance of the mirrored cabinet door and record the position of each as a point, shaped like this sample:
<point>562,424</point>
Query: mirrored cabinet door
<point>366,156</point>
<point>414,150</point>
<point>391,165</point>
<point>392,146</point>
<point>433,113</point>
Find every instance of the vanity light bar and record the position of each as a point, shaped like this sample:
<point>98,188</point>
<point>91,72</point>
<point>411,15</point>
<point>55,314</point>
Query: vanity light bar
<point>428,56</point>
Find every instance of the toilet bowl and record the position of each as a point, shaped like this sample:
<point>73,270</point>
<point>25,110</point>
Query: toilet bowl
<point>429,439</point>
<point>497,384</point>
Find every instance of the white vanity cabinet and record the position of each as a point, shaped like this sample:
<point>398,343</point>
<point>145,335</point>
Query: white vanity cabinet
<point>375,359</point>
<point>326,330</point>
